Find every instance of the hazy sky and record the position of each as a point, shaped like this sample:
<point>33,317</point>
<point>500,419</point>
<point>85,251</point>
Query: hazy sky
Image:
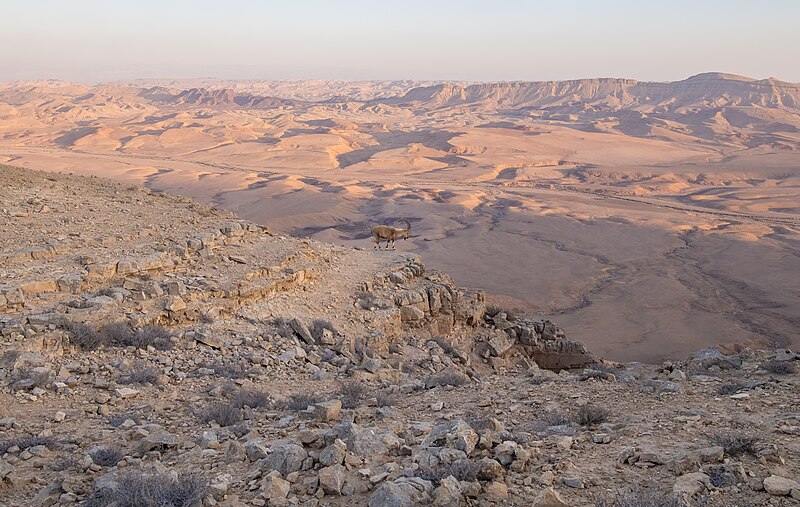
<point>94,40</point>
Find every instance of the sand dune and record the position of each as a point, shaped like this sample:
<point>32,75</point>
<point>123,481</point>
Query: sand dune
<point>651,218</point>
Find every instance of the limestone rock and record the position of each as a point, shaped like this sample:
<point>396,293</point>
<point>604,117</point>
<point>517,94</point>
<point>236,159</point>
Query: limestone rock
<point>328,410</point>
<point>457,434</point>
<point>332,479</point>
<point>334,454</point>
<point>780,486</point>
<point>549,497</point>
<point>302,330</point>
<point>449,493</point>
<point>691,484</point>
<point>285,458</point>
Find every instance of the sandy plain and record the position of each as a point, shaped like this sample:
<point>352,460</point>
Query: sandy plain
<point>648,219</point>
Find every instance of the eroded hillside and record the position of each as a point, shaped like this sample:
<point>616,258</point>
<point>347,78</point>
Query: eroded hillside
<point>672,205</point>
<point>158,349</point>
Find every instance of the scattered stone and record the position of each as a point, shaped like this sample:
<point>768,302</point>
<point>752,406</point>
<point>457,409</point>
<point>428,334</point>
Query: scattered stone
<point>549,497</point>
<point>332,479</point>
<point>780,486</point>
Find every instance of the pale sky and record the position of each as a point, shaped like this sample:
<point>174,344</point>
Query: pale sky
<point>490,40</point>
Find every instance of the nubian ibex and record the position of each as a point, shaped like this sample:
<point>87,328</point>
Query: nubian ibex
<point>389,233</point>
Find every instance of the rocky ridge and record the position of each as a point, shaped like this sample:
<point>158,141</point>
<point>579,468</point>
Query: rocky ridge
<point>151,343</point>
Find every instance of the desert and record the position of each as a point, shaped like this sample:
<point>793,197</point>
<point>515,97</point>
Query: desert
<point>650,219</point>
<point>161,351</point>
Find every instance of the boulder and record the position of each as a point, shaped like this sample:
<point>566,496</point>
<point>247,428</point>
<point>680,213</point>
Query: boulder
<point>690,485</point>
<point>332,479</point>
<point>449,493</point>
<point>390,494</point>
<point>334,454</point>
<point>302,330</point>
<point>285,458</point>
<point>456,434</point>
<point>403,492</point>
<point>328,410</point>
<point>549,497</point>
<point>157,441</point>
<point>780,486</point>
<point>275,488</point>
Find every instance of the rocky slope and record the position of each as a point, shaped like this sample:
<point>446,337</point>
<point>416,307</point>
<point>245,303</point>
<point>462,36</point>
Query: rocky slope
<point>156,351</point>
<point>703,90</point>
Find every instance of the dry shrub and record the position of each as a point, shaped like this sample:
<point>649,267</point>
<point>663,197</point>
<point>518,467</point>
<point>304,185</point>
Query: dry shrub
<point>106,456</point>
<point>299,402</point>
<point>116,333</point>
<point>647,496</point>
<point>736,443</point>
<point>352,394</point>
<point>81,335</point>
<point>224,414</point>
<point>731,388</point>
<point>157,337</point>
<point>136,489</point>
<point>590,415</point>
<point>445,378</point>
<point>779,367</point>
<point>142,374</point>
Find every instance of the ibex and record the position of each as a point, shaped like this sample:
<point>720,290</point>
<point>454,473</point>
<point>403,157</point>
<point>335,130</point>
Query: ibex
<point>390,234</point>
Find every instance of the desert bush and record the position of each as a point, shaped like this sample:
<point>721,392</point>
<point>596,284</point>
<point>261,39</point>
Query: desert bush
<point>224,414</point>
<point>116,333</point>
<point>106,456</point>
<point>590,415</point>
<point>720,477</point>
<point>731,388</point>
<point>28,442</point>
<point>445,378</point>
<point>157,337</point>
<point>318,326</point>
<point>351,393</point>
<point>779,367</point>
<point>63,464</point>
<point>81,335</point>
<point>736,443</point>
<point>299,402</point>
<point>120,334</point>
<point>282,327</point>
<point>250,398</point>
<point>141,374</point>
<point>135,489</point>
<point>648,496</point>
